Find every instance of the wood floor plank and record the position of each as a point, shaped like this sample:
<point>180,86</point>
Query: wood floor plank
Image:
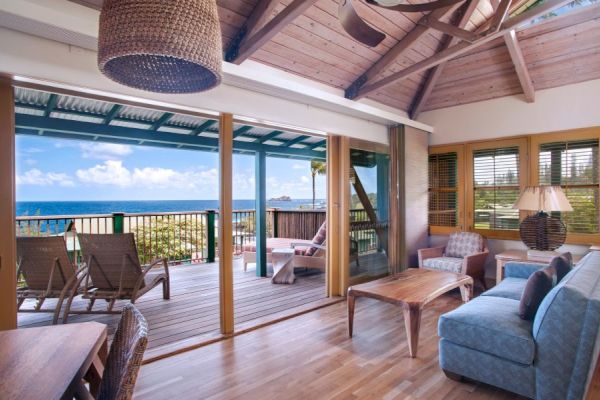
<point>311,357</point>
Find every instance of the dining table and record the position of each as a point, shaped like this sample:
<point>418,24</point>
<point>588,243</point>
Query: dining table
<point>52,362</point>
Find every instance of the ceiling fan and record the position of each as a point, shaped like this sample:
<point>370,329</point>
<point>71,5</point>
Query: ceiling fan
<point>356,27</point>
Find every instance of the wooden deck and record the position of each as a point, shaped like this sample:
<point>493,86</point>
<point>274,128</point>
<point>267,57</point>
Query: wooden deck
<point>311,357</point>
<point>194,306</point>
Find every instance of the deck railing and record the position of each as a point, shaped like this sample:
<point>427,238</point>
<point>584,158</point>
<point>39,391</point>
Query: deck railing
<point>188,236</point>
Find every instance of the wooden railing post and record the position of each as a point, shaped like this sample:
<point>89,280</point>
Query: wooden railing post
<point>276,222</point>
<point>210,236</point>
<point>118,222</point>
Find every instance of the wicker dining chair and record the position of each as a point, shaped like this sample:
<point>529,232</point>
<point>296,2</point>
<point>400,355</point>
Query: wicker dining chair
<point>114,272</point>
<point>125,356</point>
<point>48,272</point>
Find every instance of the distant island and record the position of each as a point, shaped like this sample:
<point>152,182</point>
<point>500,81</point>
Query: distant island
<point>281,198</point>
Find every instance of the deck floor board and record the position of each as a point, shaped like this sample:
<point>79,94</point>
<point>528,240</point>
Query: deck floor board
<point>193,309</point>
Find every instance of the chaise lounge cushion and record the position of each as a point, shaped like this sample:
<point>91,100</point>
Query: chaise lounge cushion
<point>509,288</point>
<point>450,264</point>
<point>280,243</point>
<point>491,325</point>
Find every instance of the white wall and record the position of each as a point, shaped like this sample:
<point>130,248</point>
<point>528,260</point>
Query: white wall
<point>565,107</point>
<point>31,56</point>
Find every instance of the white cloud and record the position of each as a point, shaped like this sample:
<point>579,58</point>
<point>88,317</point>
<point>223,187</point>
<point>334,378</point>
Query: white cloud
<point>305,179</point>
<point>115,173</point>
<point>299,166</point>
<point>35,177</point>
<point>109,173</point>
<point>30,161</point>
<point>104,151</point>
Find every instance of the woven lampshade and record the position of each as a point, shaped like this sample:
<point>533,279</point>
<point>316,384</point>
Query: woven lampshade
<point>165,46</point>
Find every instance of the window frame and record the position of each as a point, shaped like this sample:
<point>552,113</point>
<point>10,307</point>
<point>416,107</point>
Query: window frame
<point>459,149</point>
<point>569,136</point>
<point>522,145</point>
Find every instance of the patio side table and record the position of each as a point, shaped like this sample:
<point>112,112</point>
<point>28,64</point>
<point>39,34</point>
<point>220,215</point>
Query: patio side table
<point>283,265</point>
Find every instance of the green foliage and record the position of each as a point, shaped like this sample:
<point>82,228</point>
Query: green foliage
<point>355,203</point>
<point>316,168</point>
<point>176,240</point>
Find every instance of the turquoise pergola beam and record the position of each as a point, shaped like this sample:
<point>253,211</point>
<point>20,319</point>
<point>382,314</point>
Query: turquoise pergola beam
<point>203,127</point>
<point>296,140</point>
<point>269,136</point>
<point>52,100</point>
<point>242,130</point>
<point>322,143</point>
<point>161,121</point>
<point>70,129</point>
<point>112,114</point>
<point>260,179</point>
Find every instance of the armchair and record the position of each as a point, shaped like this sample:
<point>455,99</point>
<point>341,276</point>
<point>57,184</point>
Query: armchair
<point>465,253</point>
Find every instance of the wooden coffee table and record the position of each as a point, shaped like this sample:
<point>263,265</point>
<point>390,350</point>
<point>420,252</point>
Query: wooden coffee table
<point>411,289</point>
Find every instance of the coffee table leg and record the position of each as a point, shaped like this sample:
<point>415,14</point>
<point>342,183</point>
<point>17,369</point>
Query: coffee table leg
<point>412,322</point>
<point>466,292</point>
<point>351,301</point>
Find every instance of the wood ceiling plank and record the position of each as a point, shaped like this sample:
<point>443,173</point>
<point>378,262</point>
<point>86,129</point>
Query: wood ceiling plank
<point>267,32</point>
<point>463,47</point>
<point>500,15</point>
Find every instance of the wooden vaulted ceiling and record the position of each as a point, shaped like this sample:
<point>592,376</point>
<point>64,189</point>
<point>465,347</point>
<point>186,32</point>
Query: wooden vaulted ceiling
<point>305,37</point>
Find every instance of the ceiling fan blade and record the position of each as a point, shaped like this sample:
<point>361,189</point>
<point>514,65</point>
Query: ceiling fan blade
<point>357,27</point>
<point>420,7</point>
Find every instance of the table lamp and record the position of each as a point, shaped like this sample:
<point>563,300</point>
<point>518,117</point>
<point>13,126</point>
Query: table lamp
<point>541,232</point>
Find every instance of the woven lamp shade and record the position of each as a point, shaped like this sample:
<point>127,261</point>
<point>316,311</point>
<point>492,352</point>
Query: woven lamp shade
<point>165,46</point>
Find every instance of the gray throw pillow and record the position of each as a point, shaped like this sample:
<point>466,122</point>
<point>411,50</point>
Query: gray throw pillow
<point>537,287</point>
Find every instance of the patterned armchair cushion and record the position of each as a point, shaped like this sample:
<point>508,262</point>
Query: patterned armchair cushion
<point>490,325</point>
<point>462,244</point>
<point>450,264</point>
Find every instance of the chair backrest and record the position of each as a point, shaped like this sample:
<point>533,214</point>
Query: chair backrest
<point>38,256</point>
<point>565,329</point>
<point>319,238</point>
<point>462,244</point>
<point>125,356</point>
<point>110,258</point>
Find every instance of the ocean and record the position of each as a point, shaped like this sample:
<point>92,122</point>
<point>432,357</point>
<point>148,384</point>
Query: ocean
<point>30,208</point>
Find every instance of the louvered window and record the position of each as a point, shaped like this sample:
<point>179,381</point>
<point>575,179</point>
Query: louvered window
<point>443,189</point>
<point>496,188</point>
<point>574,166</point>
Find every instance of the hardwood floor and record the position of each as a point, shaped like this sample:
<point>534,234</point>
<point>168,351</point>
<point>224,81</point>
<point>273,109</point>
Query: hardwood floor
<point>193,310</point>
<point>311,357</point>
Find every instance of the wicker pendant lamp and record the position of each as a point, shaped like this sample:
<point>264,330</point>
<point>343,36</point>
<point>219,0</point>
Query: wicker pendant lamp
<point>165,46</point>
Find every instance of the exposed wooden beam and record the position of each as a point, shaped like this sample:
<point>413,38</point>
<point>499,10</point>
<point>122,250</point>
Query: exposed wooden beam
<point>112,114</point>
<point>242,130</point>
<point>463,47</point>
<point>256,20</point>
<point>495,4</point>
<point>268,136</point>
<point>449,29</point>
<point>422,96</point>
<point>392,54</point>
<point>203,127</point>
<point>161,121</point>
<point>500,15</point>
<point>296,140</point>
<point>52,100</point>
<point>267,32</point>
<point>516,55</point>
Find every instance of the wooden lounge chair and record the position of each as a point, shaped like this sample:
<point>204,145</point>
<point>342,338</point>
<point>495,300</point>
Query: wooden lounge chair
<point>114,272</point>
<point>48,272</point>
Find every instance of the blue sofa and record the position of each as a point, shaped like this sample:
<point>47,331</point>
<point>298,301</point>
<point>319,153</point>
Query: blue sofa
<point>547,358</point>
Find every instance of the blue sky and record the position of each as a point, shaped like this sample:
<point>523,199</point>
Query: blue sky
<point>54,169</point>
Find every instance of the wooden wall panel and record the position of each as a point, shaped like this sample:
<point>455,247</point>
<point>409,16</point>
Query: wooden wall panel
<point>8,264</point>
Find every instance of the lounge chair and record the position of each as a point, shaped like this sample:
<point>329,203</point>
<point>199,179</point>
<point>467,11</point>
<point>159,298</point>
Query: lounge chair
<point>48,272</point>
<point>308,253</point>
<point>114,272</point>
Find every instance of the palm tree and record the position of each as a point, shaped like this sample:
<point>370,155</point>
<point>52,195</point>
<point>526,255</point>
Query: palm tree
<point>316,168</point>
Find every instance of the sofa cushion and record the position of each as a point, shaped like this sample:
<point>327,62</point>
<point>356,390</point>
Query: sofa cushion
<point>462,244</point>
<point>491,325</point>
<point>444,264</point>
<point>537,287</point>
<point>510,288</point>
<point>562,264</point>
